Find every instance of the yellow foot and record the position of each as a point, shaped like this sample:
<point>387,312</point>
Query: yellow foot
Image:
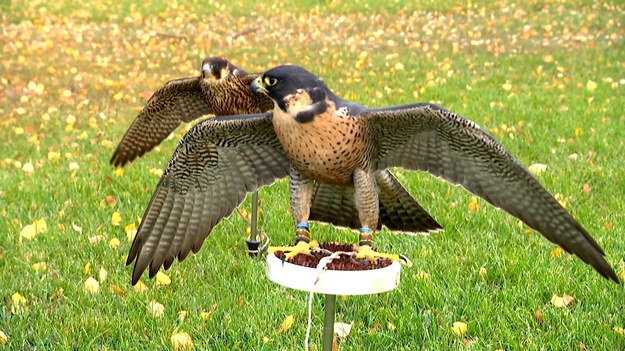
<point>301,247</point>
<point>365,251</point>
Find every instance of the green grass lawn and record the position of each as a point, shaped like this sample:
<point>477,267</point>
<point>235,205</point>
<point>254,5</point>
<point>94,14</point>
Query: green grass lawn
<point>547,78</point>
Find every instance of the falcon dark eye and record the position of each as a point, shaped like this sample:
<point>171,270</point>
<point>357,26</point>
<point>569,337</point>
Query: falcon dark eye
<point>214,67</point>
<point>270,81</point>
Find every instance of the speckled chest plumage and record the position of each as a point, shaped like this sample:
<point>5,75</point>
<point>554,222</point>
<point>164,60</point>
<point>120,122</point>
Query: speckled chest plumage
<point>328,148</point>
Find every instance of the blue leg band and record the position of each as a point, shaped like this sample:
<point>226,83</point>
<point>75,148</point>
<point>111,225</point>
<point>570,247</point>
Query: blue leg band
<point>302,225</point>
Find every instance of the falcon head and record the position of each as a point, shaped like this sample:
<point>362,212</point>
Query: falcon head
<point>292,88</point>
<point>217,68</point>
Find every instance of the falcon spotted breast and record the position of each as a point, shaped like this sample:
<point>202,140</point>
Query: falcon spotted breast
<point>315,138</point>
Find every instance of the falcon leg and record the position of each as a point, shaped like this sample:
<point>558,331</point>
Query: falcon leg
<point>367,203</point>
<point>301,191</point>
<point>253,243</point>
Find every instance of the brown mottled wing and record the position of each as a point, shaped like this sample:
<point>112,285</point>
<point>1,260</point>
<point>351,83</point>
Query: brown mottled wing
<point>429,138</point>
<point>214,166</point>
<point>334,204</point>
<point>179,100</point>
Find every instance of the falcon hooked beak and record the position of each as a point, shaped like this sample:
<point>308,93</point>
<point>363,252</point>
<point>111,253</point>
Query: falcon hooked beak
<point>257,86</point>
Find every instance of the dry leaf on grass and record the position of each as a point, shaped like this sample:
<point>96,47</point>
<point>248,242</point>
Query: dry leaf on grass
<point>156,309</point>
<point>342,330</point>
<point>162,279</point>
<point>562,301</point>
<point>287,323</point>
<point>92,286</point>
<point>116,218</point>
<point>181,341</point>
<point>459,328</point>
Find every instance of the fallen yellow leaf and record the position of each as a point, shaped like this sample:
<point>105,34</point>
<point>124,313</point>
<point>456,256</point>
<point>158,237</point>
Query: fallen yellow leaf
<point>28,232</point>
<point>376,325</point>
<point>578,131</point>
<point>95,239</point>
<point>286,324</point>
<point>181,341</point>
<point>140,287</point>
<point>131,231</point>
<point>102,274</point>
<point>28,168</point>
<point>555,253</point>
<point>18,303</point>
<point>537,168</point>
<point>182,315</point>
<point>162,279</point>
<point>473,204</point>
<point>3,338</point>
<point>156,308</point>
<point>538,316</point>
<point>619,330</point>
<point>130,227</point>
<point>92,286</point>
<point>117,290</point>
<point>76,228</point>
<point>74,166</point>
<point>40,226</point>
<point>342,330</point>
<point>116,218</point>
<point>40,266</point>
<point>54,156</point>
<point>114,243</point>
<point>591,86</point>
<point>156,171</point>
<point>563,301</point>
<point>459,328</point>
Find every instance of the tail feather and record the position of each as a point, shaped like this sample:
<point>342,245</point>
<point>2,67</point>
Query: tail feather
<point>334,204</point>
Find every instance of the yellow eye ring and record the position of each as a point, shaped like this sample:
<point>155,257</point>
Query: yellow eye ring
<point>270,81</point>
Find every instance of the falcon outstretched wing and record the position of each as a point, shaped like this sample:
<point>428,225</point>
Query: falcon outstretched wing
<point>429,138</point>
<point>214,166</point>
<point>179,100</point>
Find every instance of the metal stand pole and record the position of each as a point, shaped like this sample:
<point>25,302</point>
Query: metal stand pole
<point>252,242</point>
<point>328,322</point>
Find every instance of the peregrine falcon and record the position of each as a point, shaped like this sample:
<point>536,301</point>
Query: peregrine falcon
<point>315,137</point>
<point>221,89</point>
